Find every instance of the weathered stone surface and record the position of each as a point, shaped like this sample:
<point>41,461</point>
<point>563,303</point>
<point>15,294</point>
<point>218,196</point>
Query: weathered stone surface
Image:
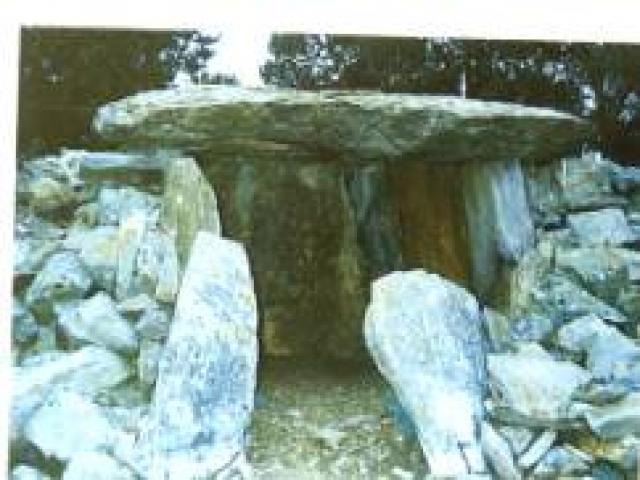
<point>63,277</point>
<point>563,461</point>
<point>156,268</point>
<point>617,420</point>
<point>293,244</point>
<point>608,226</point>
<point>148,359</point>
<point>532,328</point>
<point>67,424</point>
<point>154,324</point>
<point>368,125</point>
<point>610,354</point>
<point>142,169</point>
<point>130,236</point>
<point>24,328</point>
<point>542,396</point>
<point>98,250</point>
<point>189,204</point>
<point>96,466</point>
<point>498,329</point>
<point>207,374</point>
<point>29,254</point>
<point>499,222</point>
<point>88,371</point>
<point>97,320</point>
<point>114,205</point>
<point>424,335</point>
<point>25,472</point>
<point>519,438</point>
<point>498,453</point>
<point>537,449</point>
<point>559,297</point>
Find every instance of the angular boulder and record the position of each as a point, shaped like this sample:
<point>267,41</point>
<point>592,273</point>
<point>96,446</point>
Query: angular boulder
<point>97,320</point>
<point>423,332</point>
<point>96,466</point>
<point>207,373</point>
<point>617,420</point>
<point>542,396</point>
<point>601,227</point>
<point>98,250</point>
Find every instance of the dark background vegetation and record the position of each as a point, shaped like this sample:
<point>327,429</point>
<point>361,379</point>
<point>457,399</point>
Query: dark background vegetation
<point>66,73</point>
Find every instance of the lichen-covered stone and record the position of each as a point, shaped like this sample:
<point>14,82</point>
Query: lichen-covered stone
<point>207,374</point>
<point>130,235</point>
<point>97,320</point>
<point>63,277</point>
<point>189,204</point>
<point>424,335</point>
<point>363,124</point>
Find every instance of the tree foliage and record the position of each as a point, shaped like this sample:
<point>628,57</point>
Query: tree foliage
<point>66,73</point>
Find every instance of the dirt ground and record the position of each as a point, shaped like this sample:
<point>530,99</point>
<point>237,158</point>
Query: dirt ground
<point>329,421</point>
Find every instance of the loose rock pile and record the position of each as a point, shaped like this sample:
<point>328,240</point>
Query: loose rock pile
<point>96,278</point>
<point>562,396</point>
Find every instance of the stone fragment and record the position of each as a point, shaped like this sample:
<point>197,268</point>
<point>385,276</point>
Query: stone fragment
<point>424,335</point>
<point>67,424</point>
<point>560,298</point>
<point>542,396</point>
<point>537,449</point>
<point>63,278</point>
<point>130,236</point>
<point>498,329</point>
<point>157,268</point>
<point>89,371</point>
<point>498,453</point>
<point>190,204</point>
<point>24,328</point>
<point>114,205</point>
<point>625,179</point>
<point>96,466</point>
<point>519,438</point>
<point>148,359</point>
<point>532,328</point>
<point>610,354</point>
<point>563,461</point>
<point>25,472</point>
<point>154,324</point>
<point>207,373</point>
<point>29,254</point>
<point>96,320</point>
<point>98,250</point>
<point>602,227</point>
<point>137,304</point>
<point>617,420</point>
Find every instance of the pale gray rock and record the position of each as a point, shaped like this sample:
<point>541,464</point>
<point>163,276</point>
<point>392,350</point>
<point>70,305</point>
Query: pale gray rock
<point>499,222</point>
<point>498,329</point>
<point>498,453</point>
<point>63,277</point>
<point>423,332</point>
<point>532,328</point>
<point>602,227</point>
<point>24,328</point>
<point>601,393</point>
<point>148,359</point>
<point>563,461</point>
<point>207,373</point>
<point>89,371</point>
<point>96,320</point>
<point>610,354</point>
<point>137,304</point>
<point>25,472</point>
<point>617,420</point>
<point>157,268</point>
<point>540,397</point>
<point>154,324</point>
<point>130,236</point>
<point>29,254</point>
<point>98,250</point>
<point>96,466</point>
<point>537,449</point>
<point>67,424</point>
<point>625,179</point>
<point>560,298</point>
<point>114,205</point>
<point>519,438</point>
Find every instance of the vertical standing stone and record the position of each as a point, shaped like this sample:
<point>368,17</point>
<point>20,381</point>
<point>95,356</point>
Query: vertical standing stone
<point>424,334</point>
<point>207,373</point>
<point>129,238</point>
<point>190,204</point>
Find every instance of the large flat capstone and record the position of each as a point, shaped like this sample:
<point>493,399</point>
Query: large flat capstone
<point>363,125</point>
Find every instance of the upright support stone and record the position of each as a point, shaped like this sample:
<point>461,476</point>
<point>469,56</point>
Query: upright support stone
<point>207,374</point>
<point>190,204</point>
<point>424,335</point>
<point>499,220</point>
